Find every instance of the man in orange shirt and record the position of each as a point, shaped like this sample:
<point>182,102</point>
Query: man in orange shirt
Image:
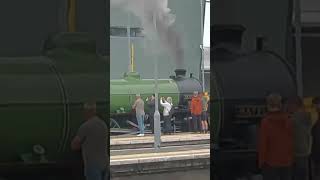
<point>276,142</point>
<point>196,110</point>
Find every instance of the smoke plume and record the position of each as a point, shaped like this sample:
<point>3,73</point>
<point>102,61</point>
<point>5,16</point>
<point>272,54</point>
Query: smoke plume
<point>146,11</point>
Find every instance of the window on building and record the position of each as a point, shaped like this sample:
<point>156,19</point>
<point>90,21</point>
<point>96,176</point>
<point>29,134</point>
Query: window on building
<point>136,32</point>
<point>118,31</point>
<point>122,32</point>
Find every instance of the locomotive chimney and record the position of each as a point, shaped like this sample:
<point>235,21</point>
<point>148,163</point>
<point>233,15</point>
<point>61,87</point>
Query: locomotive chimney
<point>227,34</point>
<point>260,43</point>
<point>180,72</point>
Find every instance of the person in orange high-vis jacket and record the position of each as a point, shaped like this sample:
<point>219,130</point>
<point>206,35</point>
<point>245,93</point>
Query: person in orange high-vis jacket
<point>196,111</point>
<point>276,142</point>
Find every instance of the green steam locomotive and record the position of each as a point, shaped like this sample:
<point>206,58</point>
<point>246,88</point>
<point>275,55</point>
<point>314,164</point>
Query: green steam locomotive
<point>41,101</point>
<point>123,91</point>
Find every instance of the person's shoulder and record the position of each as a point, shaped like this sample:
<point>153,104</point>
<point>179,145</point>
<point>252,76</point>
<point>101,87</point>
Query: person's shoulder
<point>98,120</point>
<point>275,115</point>
<point>264,122</point>
<point>282,115</point>
<point>84,126</point>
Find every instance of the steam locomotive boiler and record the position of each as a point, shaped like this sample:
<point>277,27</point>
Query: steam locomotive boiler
<point>241,81</point>
<point>41,102</point>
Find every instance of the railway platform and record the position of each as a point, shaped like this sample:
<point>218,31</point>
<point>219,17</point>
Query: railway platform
<point>135,156</point>
<point>178,139</point>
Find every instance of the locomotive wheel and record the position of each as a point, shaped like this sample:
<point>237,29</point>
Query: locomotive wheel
<point>114,123</point>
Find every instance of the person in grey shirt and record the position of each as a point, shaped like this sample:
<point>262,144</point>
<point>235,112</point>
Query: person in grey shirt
<point>92,140</point>
<point>302,125</point>
<point>139,107</point>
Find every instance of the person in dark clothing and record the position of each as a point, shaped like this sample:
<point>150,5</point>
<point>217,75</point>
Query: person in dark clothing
<point>209,113</point>
<point>91,138</point>
<point>302,126</point>
<point>315,155</point>
<point>151,106</point>
<point>275,151</point>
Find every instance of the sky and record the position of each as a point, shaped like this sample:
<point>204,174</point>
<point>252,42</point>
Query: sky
<point>206,31</point>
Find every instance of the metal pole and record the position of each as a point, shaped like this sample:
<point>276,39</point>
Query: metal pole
<point>157,126</point>
<point>72,16</point>
<point>298,47</point>
<point>129,42</point>
<point>202,58</point>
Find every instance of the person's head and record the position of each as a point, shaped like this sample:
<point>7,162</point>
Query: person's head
<point>169,100</point>
<point>274,102</point>
<point>205,93</point>
<point>90,109</point>
<point>153,96</point>
<point>316,103</point>
<point>138,96</point>
<point>195,94</point>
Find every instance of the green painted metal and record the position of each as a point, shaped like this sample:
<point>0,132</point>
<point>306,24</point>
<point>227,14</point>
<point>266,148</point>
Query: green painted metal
<point>31,110</point>
<point>123,91</point>
<point>41,99</point>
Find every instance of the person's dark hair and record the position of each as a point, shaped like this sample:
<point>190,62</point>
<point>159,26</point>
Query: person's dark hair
<point>153,95</point>
<point>316,100</point>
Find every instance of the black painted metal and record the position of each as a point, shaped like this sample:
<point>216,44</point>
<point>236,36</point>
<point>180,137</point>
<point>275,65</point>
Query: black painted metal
<point>244,78</point>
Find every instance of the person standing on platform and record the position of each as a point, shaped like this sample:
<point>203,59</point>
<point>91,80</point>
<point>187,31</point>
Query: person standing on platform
<point>151,105</point>
<point>139,107</point>
<point>275,151</point>
<point>315,152</point>
<point>92,140</point>
<point>204,119</point>
<point>302,126</point>
<point>209,111</point>
<point>167,106</point>
<point>196,110</point>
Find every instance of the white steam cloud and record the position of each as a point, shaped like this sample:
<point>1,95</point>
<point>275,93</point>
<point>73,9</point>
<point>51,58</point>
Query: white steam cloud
<point>145,10</point>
